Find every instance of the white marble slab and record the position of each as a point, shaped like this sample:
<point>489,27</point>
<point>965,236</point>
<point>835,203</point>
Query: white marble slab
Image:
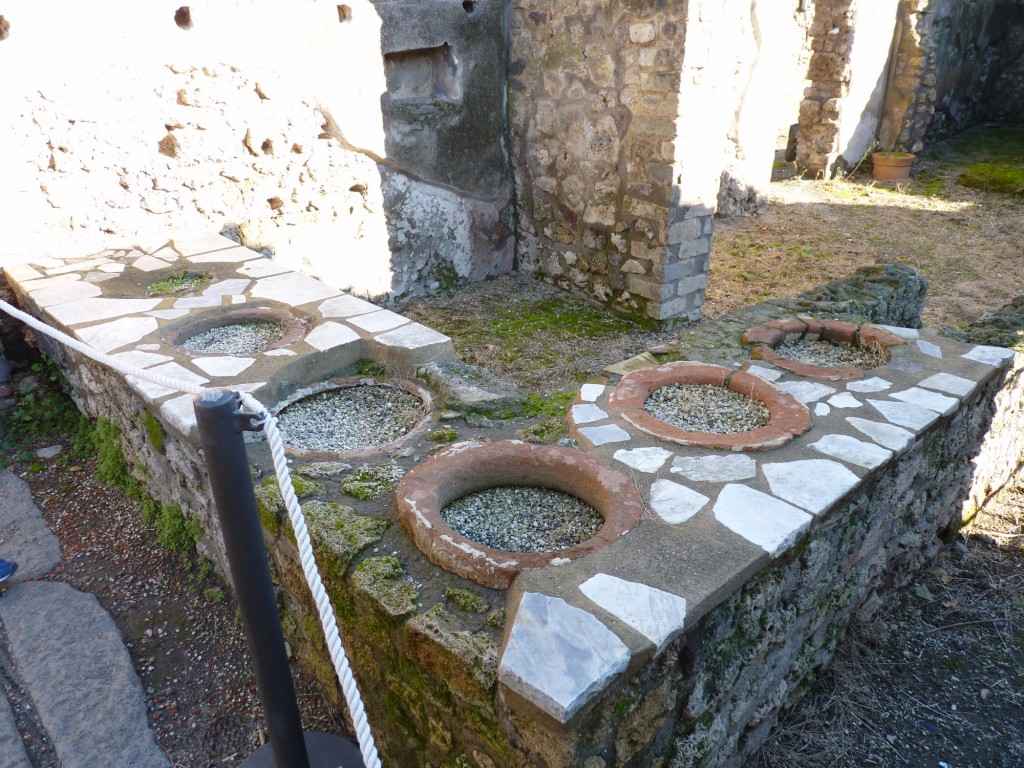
<point>657,615</point>
<point>579,655</point>
<point>292,288</point>
<point>905,414</point>
<point>590,392</point>
<point>91,310</point>
<point>927,348</point>
<point>330,335</point>
<point>279,353</point>
<point>180,413</point>
<point>346,306</point>
<point>228,287</point>
<point>21,273</point>
<point>852,450</point>
<point>587,412</point>
<point>989,355</point>
<point>606,433</point>
<point>813,484</point>
<point>675,503</point>
<point>196,302</point>
<point>642,459</point>
<point>895,330</point>
<point>426,342</point>
<point>262,267</point>
<point>202,242</point>
<point>821,409</point>
<point>715,468</point>
<point>844,400</point>
<point>874,384</point>
<point>141,359</point>
<point>65,291</point>
<point>892,437</point>
<point>933,401</point>
<point>168,314</point>
<point>376,322</point>
<point>149,264</point>
<point>947,382</point>
<point>223,366</point>
<point>759,518</point>
<point>148,347</point>
<point>228,256</point>
<point>805,391</point>
<point>79,266</point>
<point>119,333</point>
<point>112,268</point>
<point>151,391</point>
<point>764,373</point>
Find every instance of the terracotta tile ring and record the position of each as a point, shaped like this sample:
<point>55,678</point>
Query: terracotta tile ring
<point>763,340</point>
<point>467,467</point>
<point>788,416</point>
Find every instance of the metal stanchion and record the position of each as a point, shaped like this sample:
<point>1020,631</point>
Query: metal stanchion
<point>220,431</point>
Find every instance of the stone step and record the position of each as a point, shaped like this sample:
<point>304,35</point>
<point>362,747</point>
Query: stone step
<point>12,751</point>
<point>24,535</point>
<point>77,671</point>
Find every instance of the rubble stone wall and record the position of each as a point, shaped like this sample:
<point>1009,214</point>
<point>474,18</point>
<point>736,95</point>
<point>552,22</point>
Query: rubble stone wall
<point>289,124</point>
<point>957,63</point>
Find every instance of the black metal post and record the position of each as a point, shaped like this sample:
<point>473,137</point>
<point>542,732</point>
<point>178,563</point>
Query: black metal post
<point>220,432</point>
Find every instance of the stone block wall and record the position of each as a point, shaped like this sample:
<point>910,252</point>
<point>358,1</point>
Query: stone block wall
<point>322,132</point>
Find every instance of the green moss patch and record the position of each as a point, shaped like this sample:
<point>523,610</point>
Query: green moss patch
<point>382,580</point>
<point>443,435</point>
<point>994,177</point>
<point>341,530</point>
<point>465,600</point>
<point>179,282</point>
<point>369,482</point>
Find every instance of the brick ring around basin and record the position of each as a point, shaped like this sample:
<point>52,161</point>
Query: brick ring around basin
<point>292,328</point>
<point>763,340</point>
<point>788,416</point>
<point>469,467</point>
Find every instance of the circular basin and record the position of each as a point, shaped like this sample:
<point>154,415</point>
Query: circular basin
<point>786,418</point>
<point>352,417</point>
<point>242,331</point>
<point>830,350</point>
<point>468,468</point>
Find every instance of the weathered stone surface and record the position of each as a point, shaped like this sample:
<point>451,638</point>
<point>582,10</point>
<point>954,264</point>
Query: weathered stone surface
<point>580,655</point>
<point>655,614</point>
<point>471,389</point>
<point>813,484</point>
<point>767,522</point>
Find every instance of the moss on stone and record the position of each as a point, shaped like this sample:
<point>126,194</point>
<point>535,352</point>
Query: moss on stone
<point>444,434</point>
<point>305,487</point>
<point>369,482</point>
<point>472,657</point>
<point>155,432</point>
<point>496,618</point>
<point>369,367</point>
<point>464,600</point>
<point>270,506</point>
<point>382,580</point>
<point>339,529</point>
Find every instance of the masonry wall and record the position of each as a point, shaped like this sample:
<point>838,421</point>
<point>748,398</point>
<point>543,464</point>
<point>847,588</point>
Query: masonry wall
<point>359,147</point>
<point>958,62</point>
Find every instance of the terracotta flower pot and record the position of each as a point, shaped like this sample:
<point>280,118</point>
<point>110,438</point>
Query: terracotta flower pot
<point>891,166</point>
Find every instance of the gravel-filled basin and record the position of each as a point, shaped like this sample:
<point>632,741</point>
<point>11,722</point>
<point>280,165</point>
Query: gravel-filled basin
<point>352,417</point>
<point>521,483</point>
<point>523,519</point>
<point>244,330</point>
<point>710,406</point>
<point>235,338</point>
<point>707,408</point>
<point>832,350</point>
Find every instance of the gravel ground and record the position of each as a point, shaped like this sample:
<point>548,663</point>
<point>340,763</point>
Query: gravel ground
<point>180,624</point>
<point>235,339</point>
<point>706,408</point>
<point>523,519</point>
<point>825,353</point>
<point>350,417</point>
<point>936,678</point>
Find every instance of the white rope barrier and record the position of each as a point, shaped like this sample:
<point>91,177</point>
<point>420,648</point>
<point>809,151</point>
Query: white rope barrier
<point>298,521</point>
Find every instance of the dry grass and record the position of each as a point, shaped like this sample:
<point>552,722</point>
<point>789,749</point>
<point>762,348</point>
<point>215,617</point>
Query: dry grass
<point>967,242</point>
